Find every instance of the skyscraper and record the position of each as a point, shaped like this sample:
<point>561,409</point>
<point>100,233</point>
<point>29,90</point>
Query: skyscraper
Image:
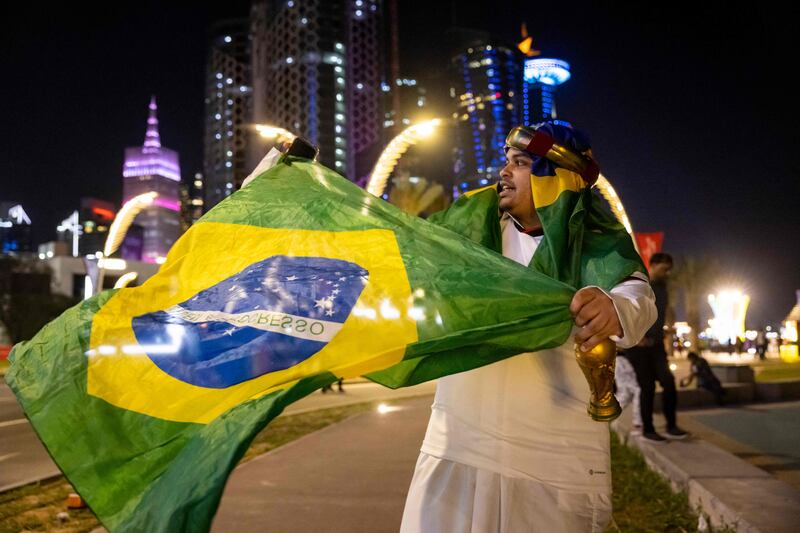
<point>485,89</point>
<point>154,168</point>
<point>317,71</point>
<point>227,110</point>
<point>191,194</point>
<point>541,76</point>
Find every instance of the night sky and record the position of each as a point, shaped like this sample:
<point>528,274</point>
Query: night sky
<point>690,109</point>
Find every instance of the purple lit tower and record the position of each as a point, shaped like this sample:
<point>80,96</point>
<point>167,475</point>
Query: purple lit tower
<point>153,168</point>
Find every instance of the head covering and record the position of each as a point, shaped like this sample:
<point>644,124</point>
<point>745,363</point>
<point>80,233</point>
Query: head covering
<point>555,144</point>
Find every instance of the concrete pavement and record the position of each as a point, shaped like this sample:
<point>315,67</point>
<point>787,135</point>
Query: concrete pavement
<point>764,435</point>
<point>23,458</point>
<point>349,477</point>
<point>730,490</point>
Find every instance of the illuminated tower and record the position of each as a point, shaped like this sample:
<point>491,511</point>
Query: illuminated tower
<point>541,77</point>
<point>154,168</point>
<point>730,308</point>
<point>227,111</point>
<point>316,72</point>
<point>485,88</point>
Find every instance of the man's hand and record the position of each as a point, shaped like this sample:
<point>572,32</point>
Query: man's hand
<point>595,314</point>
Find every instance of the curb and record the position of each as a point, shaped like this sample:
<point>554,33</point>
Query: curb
<point>31,481</point>
<point>729,490</point>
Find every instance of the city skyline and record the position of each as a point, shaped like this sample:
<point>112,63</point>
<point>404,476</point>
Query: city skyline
<point>683,109</point>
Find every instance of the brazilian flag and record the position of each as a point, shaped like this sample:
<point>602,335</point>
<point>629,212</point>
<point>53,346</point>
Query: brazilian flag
<point>147,397</point>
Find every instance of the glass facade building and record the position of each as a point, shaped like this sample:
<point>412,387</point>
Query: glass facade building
<point>316,68</point>
<point>227,129</point>
<point>485,94</point>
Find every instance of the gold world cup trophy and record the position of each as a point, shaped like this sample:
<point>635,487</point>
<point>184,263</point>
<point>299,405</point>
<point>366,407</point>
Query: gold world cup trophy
<point>598,367</point>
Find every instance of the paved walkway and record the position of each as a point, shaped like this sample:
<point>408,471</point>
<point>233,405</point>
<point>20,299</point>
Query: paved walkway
<point>349,477</point>
<point>764,435</point>
<point>729,489</point>
<point>23,458</point>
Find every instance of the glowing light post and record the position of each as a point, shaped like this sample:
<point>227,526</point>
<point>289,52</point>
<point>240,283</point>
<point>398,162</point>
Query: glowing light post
<point>730,308</point>
<point>125,279</point>
<point>275,133</point>
<point>789,349</point>
<point>413,134</point>
<point>116,234</point>
<point>395,150</point>
<point>611,196</point>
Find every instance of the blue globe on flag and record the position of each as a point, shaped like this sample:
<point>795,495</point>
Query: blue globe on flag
<point>270,316</point>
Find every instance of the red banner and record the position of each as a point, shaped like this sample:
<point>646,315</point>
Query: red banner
<point>649,243</point>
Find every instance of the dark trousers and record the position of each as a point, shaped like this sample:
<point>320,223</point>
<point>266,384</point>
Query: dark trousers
<point>650,364</point>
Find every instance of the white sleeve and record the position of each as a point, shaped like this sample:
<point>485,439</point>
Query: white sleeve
<point>636,308</point>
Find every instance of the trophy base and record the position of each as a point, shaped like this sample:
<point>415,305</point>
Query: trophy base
<point>606,412</point>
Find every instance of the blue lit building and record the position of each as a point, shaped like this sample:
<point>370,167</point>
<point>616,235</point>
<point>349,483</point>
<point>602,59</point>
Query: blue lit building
<point>541,76</point>
<point>486,95</point>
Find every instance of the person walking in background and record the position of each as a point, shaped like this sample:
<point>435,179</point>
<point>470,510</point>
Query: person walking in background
<point>649,360</point>
<point>705,378</point>
<point>761,344</point>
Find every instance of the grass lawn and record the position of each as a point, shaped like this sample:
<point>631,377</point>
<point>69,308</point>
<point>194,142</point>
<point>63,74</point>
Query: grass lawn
<point>643,502</point>
<point>777,372</point>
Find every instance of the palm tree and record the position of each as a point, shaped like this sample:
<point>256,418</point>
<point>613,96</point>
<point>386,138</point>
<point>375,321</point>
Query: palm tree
<point>417,195</point>
<point>695,276</point>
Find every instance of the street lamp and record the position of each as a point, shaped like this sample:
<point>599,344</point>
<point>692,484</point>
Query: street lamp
<point>611,196</point>
<point>125,279</point>
<point>413,134</point>
<point>274,133</point>
<point>116,234</point>
<point>395,150</point>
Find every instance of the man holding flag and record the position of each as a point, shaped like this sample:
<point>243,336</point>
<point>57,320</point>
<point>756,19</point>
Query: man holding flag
<point>509,446</point>
<point>147,397</point>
